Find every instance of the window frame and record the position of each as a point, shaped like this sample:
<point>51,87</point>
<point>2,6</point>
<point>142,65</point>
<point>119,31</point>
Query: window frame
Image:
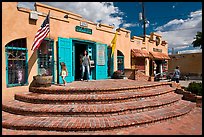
<point>53,59</point>
<point>26,66</point>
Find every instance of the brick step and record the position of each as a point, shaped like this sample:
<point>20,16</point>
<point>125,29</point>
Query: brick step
<point>98,89</point>
<point>68,123</point>
<point>22,108</point>
<point>38,98</point>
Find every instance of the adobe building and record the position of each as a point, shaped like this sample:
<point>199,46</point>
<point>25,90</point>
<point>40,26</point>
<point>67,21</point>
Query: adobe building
<point>150,55</point>
<point>70,34</point>
<point>190,64</point>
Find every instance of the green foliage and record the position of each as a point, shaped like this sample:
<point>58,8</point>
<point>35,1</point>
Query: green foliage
<point>198,40</point>
<point>195,88</point>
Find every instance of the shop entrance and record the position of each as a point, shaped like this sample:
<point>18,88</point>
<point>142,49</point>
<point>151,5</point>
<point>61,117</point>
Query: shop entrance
<point>79,52</point>
<point>158,66</point>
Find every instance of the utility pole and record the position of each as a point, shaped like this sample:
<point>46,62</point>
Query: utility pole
<point>144,21</point>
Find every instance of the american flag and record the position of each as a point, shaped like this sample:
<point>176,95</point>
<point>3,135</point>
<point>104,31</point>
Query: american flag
<point>41,33</point>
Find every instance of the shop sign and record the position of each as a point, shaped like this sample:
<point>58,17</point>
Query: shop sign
<point>101,55</point>
<point>83,30</point>
<point>157,50</point>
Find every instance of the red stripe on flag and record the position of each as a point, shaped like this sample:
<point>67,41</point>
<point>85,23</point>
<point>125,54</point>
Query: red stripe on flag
<point>39,39</point>
<point>41,33</point>
<point>39,36</point>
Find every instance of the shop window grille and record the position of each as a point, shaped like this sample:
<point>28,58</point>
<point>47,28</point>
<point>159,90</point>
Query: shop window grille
<point>46,59</point>
<point>16,63</point>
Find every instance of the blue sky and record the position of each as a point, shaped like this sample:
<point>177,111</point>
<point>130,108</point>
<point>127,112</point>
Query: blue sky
<point>177,22</point>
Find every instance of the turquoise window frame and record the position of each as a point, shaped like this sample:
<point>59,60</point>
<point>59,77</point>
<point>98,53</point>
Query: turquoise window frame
<point>26,67</point>
<point>53,63</point>
<point>120,57</point>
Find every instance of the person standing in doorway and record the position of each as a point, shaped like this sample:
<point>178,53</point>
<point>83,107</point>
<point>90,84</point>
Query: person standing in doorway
<point>176,74</point>
<point>85,65</point>
<point>64,72</point>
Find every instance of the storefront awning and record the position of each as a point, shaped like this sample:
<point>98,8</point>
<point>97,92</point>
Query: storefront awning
<point>140,53</point>
<point>159,55</point>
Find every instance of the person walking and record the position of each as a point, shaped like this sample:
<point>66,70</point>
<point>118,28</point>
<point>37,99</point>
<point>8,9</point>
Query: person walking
<point>176,74</point>
<point>85,65</point>
<point>64,72</point>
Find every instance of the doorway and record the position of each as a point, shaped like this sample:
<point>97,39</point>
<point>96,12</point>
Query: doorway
<point>79,51</point>
<point>158,68</point>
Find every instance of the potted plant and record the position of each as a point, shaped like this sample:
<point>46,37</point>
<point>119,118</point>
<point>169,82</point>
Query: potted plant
<point>43,80</point>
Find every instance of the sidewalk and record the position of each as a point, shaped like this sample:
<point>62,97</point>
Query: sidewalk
<point>184,83</point>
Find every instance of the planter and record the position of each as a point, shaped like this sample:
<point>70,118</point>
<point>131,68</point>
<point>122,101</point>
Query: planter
<point>199,101</point>
<point>44,81</point>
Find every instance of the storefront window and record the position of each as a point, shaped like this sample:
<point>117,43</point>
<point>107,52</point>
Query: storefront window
<point>120,60</point>
<point>16,60</point>
<point>45,58</point>
<point>110,62</point>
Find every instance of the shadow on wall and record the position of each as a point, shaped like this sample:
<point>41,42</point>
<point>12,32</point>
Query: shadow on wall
<point>32,61</point>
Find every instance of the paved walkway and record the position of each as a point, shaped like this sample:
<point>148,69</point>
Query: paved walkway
<point>184,83</point>
<point>190,124</point>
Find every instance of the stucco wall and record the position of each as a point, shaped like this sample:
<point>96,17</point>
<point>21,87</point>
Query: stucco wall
<point>189,63</point>
<point>16,24</point>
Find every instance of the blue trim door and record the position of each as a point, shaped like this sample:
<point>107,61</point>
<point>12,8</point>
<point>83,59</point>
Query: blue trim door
<point>65,54</point>
<point>101,61</point>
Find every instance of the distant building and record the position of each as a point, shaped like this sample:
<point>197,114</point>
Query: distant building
<point>190,64</point>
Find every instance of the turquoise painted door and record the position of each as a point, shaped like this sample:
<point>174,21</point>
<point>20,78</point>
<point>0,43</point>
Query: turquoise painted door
<point>101,61</point>
<point>65,55</point>
<point>90,53</point>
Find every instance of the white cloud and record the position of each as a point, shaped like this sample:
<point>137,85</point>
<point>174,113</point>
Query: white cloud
<point>106,12</point>
<point>154,24</point>
<point>127,25</point>
<point>181,32</point>
<point>190,51</point>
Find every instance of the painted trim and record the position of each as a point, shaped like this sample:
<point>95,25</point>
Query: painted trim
<point>81,40</point>
<point>6,69</point>
<point>122,62</point>
<point>53,69</point>
<point>15,48</point>
<point>26,67</point>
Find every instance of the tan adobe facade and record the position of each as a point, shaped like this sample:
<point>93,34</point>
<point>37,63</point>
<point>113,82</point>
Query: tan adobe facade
<point>19,27</point>
<point>190,64</point>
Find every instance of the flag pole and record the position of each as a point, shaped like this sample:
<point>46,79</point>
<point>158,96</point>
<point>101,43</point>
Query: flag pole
<point>49,41</point>
<point>49,23</point>
<point>49,36</point>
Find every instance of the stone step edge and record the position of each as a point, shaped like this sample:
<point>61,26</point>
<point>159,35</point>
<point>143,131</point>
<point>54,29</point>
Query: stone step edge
<point>32,99</point>
<point>26,111</point>
<point>45,90</point>
<point>99,126</point>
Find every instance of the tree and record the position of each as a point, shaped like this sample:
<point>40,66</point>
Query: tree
<point>198,40</point>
